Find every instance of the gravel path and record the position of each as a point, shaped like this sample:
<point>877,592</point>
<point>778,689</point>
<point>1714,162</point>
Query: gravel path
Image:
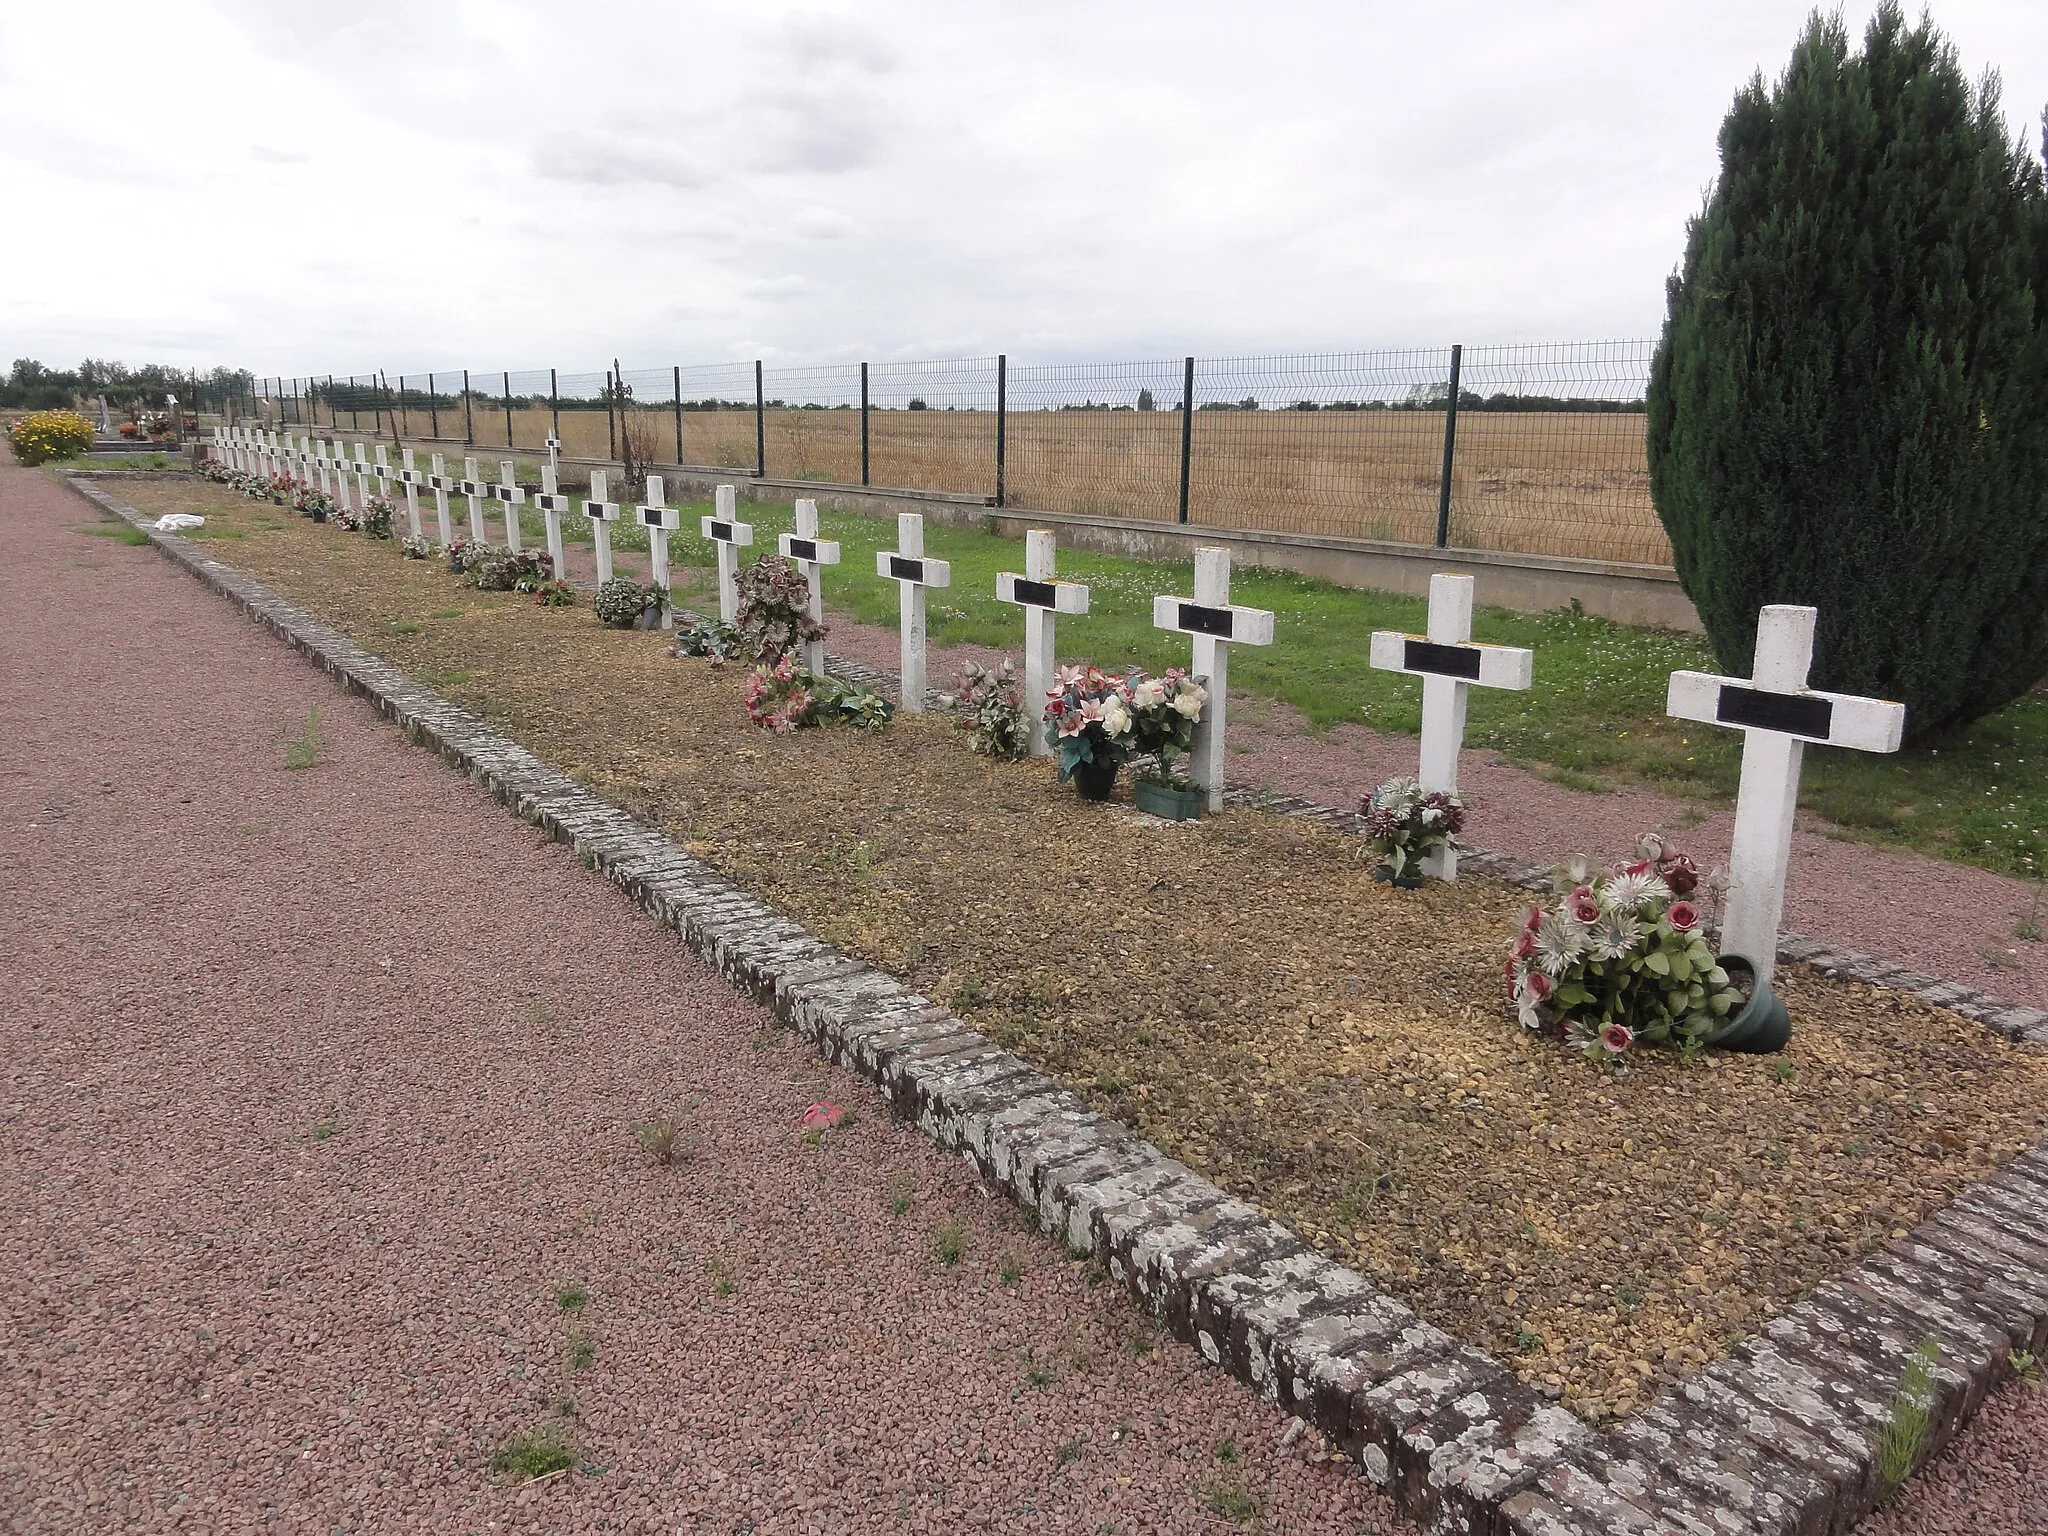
<point>1949,919</point>
<point>320,1095</point>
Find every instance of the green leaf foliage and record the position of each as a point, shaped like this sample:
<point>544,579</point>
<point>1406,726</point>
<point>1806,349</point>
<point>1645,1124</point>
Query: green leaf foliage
<point>1849,405</point>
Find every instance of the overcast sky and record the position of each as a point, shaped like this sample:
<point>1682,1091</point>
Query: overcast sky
<point>415,184</point>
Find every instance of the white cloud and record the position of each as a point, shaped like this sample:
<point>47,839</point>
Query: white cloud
<point>416,184</point>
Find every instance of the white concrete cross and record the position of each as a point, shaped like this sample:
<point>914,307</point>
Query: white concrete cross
<point>273,460</point>
<point>1448,663</point>
<point>339,464</point>
<point>660,520</point>
<point>724,529</point>
<point>1777,714</point>
<point>319,462</point>
<point>602,515</point>
<point>384,472</point>
<point>810,553</point>
<point>508,492</point>
<point>410,477</point>
<point>1216,624</point>
<point>309,462</point>
<point>362,474</point>
<point>478,492</point>
<point>552,504</point>
<point>907,566</point>
<point>1042,599</point>
<point>440,482</point>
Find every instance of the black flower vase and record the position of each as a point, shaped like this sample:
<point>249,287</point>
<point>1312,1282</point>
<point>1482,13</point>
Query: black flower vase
<point>1093,780</point>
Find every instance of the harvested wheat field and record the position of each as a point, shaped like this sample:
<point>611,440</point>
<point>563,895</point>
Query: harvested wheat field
<point>1241,992</point>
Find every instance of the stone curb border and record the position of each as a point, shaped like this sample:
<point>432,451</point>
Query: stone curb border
<point>1777,1436</point>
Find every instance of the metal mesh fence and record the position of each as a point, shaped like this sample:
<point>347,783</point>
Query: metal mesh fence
<point>1543,454</point>
<point>1550,454</point>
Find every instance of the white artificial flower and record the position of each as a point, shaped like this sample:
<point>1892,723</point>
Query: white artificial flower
<point>1149,694</point>
<point>1616,935</point>
<point>1631,893</point>
<point>1559,943</point>
<point>1190,704</point>
<point>1115,718</point>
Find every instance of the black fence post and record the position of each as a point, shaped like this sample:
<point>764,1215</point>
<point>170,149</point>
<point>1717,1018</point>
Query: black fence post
<point>468,414</point>
<point>376,409</point>
<point>760,426</point>
<point>863,423</point>
<point>554,407</point>
<point>355,407</point>
<point>679,412</point>
<point>1443,495</point>
<point>611,416</point>
<point>1002,419</point>
<point>298,414</point>
<point>333,411</point>
<point>1187,431</point>
<point>404,410</point>
<point>383,378</point>
<point>433,408</point>
<point>506,379</point>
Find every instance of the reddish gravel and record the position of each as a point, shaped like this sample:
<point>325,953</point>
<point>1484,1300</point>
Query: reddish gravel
<point>1948,919</point>
<point>318,1086</point>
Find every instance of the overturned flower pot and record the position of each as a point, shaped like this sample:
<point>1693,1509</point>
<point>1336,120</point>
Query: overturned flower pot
<point>1761,1026</point>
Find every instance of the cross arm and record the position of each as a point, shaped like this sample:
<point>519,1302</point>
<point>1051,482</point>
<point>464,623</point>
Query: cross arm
<point>725,531</point>
<point>1490,666</point>
<point>917,568</point>
<point>1224,621</point>
<point>1059,596</point>
<point>1835,719</point>
<point>817,551</point>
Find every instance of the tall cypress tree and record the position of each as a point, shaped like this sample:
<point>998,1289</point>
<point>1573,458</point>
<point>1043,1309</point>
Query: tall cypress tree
<point>1849,405</point>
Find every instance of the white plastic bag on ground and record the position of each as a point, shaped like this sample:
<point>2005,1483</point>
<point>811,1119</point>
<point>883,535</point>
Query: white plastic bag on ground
<point>172,522</point>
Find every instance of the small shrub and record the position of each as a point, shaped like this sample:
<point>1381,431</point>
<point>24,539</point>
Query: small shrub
<point>621,601</point>
<point>490,568</point>
<point>44,435</point>
<point>949,1242</point>
<point>997,722</point>
<point>666,1140</point>
<point>774,611</point>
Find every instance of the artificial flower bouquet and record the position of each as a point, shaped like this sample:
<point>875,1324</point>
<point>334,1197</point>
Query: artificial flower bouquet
<point>1087,714</point>
<point>1622,959</point>
<point>1404,826</point>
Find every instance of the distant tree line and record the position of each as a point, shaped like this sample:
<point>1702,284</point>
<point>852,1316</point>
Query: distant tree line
<point>35,386</point>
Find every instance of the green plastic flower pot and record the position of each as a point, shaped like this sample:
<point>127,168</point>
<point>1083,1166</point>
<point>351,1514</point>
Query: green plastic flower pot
<point>1763,1026</point>
<point>1167,801</point>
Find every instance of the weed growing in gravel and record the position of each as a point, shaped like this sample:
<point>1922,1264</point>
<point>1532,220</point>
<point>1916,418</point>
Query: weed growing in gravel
<point>1011,1268</point>
<point>1226,1450</point>
<point>901,1188</point>
<point>1231,1503</point>
<point>406,627</point>
<point>1528,1341</point>
<point>2029,927</point>
<point>120,533</point>
<point>327,1127</point>
<point>1903,1440</point>
<point>1068,1453</point>
<point>571,1297</point>
<point>582,1350</point>
<point>965,996</point>
<point>1783,1070</point>
<point>302,748</point>
<point>666,1140</point>
<point>949,1242</point>
<point>1036,1373</point>
<point>2025,1366</point>
<point>723,1281</point>
<point>537,1453</point>
<point>445,613</point>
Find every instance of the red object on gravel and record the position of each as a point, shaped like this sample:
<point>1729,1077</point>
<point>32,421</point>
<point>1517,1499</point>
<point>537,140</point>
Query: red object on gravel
<point>319,1158</point>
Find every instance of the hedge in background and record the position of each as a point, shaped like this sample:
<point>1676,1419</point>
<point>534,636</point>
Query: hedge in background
<point>43,435</point>
<point>1849,404</point>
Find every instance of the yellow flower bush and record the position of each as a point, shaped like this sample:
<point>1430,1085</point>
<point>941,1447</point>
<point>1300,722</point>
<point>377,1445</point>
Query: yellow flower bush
<point>44,435</point>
